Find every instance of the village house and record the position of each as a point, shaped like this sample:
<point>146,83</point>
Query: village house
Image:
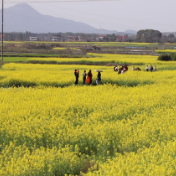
<point>33,37</point>
<point>56,38</point>
<point>100,38</point>
<point>74,39</point>
<point>122,38</point>
<point>77,38</point>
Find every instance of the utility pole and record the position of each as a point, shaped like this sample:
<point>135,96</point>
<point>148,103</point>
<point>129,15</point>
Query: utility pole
<point>2,32</point>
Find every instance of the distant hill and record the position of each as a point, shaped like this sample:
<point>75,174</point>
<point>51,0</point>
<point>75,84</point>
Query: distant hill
<point>22,18</point>
<point>130,32</point>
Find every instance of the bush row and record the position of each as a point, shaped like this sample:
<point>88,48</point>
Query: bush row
<point>167,57</point>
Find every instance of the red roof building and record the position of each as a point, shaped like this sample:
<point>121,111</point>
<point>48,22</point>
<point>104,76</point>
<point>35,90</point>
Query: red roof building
<point>100,38</point>
<point>122,38</point>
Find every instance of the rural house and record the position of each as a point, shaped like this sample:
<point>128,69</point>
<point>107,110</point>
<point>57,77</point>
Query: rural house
<point>33,37</point>
<point>122,38</point>
<point>56,38</point>
<point>77,38</point>
<point>100,38</point>
<point>74,39</point>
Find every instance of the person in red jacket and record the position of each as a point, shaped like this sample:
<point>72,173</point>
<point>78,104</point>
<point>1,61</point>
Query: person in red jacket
<point>89,77</point>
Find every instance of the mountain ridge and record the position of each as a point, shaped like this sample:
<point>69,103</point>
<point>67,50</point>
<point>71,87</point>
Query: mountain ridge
<point>22,17</point>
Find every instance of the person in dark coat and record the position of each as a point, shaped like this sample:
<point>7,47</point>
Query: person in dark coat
<point>151,68</point>
<point>98,80</point>
<point>76,76</point>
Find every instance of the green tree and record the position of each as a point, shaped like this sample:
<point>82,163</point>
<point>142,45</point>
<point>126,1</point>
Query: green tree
<point>148,36</point>
<point>171,36</point>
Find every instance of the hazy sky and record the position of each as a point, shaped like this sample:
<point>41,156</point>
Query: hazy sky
<point>119,15</point>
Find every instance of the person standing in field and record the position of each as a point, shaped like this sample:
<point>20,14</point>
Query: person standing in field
<point>151,68</point>
<point>146,68</point>
<point>120,70</point>
<point>115,68</point>
<point>76,76</point>
<point>154,69</point>
<point>89,77</point>
<point>98,80</point>
<point>125,68</point>
<point>84,77</point>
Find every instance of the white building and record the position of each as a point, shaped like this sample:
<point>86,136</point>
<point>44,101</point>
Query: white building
<point>74,39</point>
<point>56,38</point>
<point>100,38</point>
<point>33,37</point>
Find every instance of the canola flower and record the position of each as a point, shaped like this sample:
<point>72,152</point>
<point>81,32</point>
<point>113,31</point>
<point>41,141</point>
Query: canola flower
<point>63,75</point>
<point>62,48</point>
<point>165,51</point>
<point>95,43</point>
<point>126,126</point>
<point>107,58</point>
<point>97,125</point>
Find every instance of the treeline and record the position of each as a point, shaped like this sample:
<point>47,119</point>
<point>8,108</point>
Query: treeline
<point>144,36</point>
<point>154,36</point>
<point>19,36</point>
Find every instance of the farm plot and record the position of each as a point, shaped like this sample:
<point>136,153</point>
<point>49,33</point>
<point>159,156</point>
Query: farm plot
<point>32,75</point>
<point>116,130</point>
<point>103,59</point>
<point>166,51</point>
<point>126,126</point>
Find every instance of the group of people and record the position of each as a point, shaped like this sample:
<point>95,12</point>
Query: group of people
<point>121,69</point>
<point>150,68</point>
<point>87,77</point>
<point>147,68</point>
<point>136,69</point>
<point>124,68</point>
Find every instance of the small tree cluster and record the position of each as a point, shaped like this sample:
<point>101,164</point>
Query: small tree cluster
<point>148,36</point>
<point>167,57</point>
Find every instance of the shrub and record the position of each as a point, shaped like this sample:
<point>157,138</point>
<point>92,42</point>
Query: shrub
<point>173,56</point>
<point>165,57</point>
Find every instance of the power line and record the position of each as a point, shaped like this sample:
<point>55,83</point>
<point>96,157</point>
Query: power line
<point>60,1</point>
<point>101,15</point>
<point>100,22</point>
<point>115,17</point>
<point>2,31</point>
<point>139,22</point>
<point>86,19</point>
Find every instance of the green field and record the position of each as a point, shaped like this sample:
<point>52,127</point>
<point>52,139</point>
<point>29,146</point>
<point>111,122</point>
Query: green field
<point>92,59</point>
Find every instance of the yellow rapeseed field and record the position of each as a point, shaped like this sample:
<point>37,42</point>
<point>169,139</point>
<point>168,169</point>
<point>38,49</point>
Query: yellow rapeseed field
<point>107,58</point>
<point>62,48</point>
<point>63,75</point>
<point>49,126</point>
<point>165,51</point>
